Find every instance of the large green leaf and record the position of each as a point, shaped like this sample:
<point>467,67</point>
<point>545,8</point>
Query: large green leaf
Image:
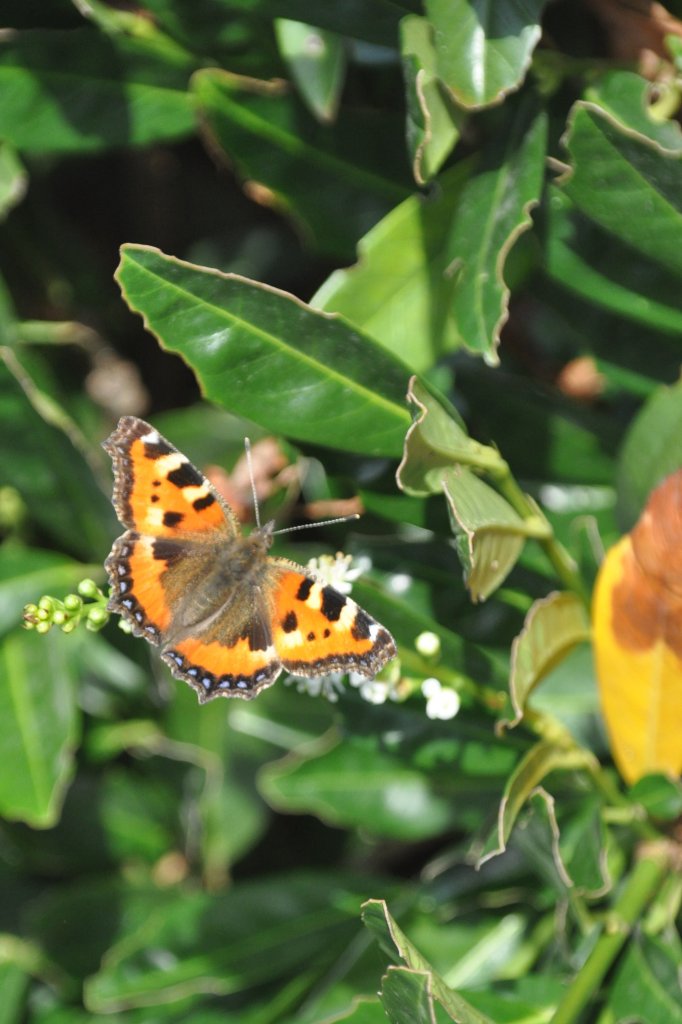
<point>40,725</point>
<point>336,181</point>
<point>354,784</point>
<point>317,61</point>
<point>494,210</point>
<point>399,291</point>
<point>232,942</point>
<point>484,48</point>
<point>587,260</point>
<point>627,177</point>
<point>54,477</point>
<point>81,91</point>
<point>647,986</point>
<point>265,355</point>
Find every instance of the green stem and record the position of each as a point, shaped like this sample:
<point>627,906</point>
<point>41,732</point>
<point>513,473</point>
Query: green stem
<point>634,897</point>
<point>562,563</point>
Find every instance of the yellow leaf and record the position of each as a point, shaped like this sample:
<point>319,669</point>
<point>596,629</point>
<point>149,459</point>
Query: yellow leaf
<point>637,619</point>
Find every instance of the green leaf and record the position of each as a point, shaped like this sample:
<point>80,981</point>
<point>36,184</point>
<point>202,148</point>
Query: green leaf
<point>349,783</point>
<point>317,62</point>
<point>584,847</point>
<point>433,121</point>
<point>231,942</point>
<point>407,997</point>
<point>263,354</point>
<point>82,91</point>
<point>397,946</point>
<point>590,262</point>
<point>436,440</point>
<point>652,449</point>
<point>660,796</point>
<point>484,49</point>
<point>14,984</point>
<point>13,179</point>
<point>54,477</point>
<point>490,534</point>
<point>28,573</point>
<point>40,726</point>
<point>336,181</point>
<point>542,759</point>
<point>399,291</point>
<point>493,212</point>
<point>627,180</point>
<point>552,628</point>
<point>647,985</point>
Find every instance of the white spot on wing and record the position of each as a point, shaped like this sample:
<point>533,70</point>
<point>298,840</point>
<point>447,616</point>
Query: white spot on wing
<point>153,437</point>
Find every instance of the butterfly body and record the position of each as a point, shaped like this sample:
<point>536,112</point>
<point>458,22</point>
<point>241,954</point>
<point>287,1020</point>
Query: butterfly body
<point>226,615</point>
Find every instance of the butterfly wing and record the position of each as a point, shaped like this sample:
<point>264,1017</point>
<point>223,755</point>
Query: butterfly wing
<point>173,516</point>
<point>318,630</point>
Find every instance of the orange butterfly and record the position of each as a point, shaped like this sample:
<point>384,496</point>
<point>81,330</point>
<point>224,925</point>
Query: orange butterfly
<point>227,616</point>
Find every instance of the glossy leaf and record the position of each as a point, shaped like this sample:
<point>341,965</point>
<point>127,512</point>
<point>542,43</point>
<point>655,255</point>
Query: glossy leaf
<point>647,985</point>
<point>637,617</point>
<point>399,949</point>
<point>81,91</point>
<point>316,61</point>
<point>244,341</point>
<point>433,120</point>
<point>484,49</point>
<point>399,291</point>
<point>651,450</point>
<point>493,213</point>
<point>552,628</point>
<point>589,261</point>
<point>628,181</point>
<point>353,784</point>
<point>545,757</point>
<point>228,943</point>
<point>336,182</point>
<point>41,723</point>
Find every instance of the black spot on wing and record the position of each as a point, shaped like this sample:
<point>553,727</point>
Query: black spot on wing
<point>157,449</point>
<point>166,550</point>
<point>289,622</point>
<point>332,603</point>
<point>311,636</point>
<point>361,626</point>
<point>186,476</point>
<point>171,519</point>
<point>304,589</point>
<point>201,503</point>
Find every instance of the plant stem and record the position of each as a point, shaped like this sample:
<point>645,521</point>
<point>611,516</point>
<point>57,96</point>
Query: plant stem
<point>633,899</point>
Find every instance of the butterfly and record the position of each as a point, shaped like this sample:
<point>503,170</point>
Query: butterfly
<point>227,616</point>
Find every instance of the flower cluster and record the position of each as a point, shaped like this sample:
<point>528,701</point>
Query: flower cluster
<point>68,613</point>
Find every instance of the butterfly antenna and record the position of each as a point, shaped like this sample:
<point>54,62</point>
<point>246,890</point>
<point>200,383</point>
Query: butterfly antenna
<point>249,463</point>
<point>322,522</point>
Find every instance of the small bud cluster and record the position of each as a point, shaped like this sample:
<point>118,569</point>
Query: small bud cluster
<point>68,613</point>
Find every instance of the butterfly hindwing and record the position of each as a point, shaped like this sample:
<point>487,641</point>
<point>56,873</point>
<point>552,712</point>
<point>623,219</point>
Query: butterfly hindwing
<point>318,630</point>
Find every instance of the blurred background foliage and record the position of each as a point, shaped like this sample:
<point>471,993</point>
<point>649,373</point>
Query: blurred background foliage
<point>488,197</point>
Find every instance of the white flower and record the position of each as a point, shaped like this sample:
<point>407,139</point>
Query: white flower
<point>428,644</point>
<point>336,570</point>
<point>329,686</point>
<point>441,702</point>
<point>374,691</point>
